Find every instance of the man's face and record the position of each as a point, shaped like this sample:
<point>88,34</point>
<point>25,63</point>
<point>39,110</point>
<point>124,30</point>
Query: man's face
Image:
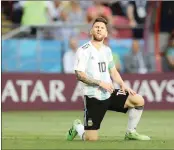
<point>99,31</point>
<point>73,44</point>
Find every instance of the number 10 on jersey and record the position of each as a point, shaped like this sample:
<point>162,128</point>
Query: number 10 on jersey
<point>102,66</point>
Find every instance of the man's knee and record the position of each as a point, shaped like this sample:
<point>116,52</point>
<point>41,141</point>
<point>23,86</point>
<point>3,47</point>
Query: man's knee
<point>136,100</point>
<point>139,101</point>
<point>91,135</point>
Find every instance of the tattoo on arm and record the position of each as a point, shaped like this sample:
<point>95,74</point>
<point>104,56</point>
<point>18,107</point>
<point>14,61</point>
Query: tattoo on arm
<point>85,79</point>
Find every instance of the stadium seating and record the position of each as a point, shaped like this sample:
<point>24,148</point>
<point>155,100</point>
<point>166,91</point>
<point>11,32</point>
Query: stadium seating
<point>30,55</point>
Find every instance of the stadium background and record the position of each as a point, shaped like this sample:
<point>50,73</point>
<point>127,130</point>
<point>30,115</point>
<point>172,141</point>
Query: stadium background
<point>37,76</point>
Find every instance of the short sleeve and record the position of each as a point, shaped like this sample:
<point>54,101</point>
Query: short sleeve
<point>111,61</point>
<point>80,60</point>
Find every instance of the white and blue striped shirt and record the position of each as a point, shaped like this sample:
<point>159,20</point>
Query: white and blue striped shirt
<point>96,64</point>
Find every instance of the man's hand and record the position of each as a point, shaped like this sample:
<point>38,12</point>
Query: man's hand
<point>124,88</point>
<point>107,86</point>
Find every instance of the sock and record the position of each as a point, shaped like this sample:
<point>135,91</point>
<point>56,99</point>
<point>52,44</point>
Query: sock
<point>134,118</point>
<point>131,120</point>
<point>139,110</point>
<point>80,130</point>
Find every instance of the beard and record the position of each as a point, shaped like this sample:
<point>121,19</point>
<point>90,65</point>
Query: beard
<point>97,38</point>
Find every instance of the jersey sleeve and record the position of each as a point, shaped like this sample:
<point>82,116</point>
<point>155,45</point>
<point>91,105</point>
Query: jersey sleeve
<point>80,60</point>
<point>111,61</point>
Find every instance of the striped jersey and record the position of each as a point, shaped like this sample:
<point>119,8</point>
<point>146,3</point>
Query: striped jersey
<point>96,64</point>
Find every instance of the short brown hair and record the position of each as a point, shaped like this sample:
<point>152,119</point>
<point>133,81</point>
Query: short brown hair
<point>101,19</point>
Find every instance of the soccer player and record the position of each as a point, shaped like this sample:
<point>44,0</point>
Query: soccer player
<point>94,67</point>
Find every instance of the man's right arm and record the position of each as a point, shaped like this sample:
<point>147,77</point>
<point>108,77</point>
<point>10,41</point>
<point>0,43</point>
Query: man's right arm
<point>80,66</point>
<point>81,76</point>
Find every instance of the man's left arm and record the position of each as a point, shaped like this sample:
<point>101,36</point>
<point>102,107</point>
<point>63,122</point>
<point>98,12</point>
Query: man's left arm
<point>117,78</point>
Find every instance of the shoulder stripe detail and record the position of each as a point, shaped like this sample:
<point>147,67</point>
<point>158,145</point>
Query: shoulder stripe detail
<point>86,46</point>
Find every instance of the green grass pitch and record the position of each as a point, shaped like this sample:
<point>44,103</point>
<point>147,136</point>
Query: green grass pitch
<point>46,130</point>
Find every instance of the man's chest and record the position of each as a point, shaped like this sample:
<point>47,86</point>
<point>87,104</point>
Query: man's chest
<point>98,61</point>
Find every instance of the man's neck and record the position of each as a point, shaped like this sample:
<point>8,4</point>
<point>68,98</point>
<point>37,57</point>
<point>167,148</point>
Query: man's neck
<point>97,44</point>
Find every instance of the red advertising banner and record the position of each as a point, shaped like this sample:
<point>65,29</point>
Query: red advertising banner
<point>30,91</point>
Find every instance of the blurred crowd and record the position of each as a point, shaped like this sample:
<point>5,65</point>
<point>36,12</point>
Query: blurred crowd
<point>136,61</point>
<point>128,15</point>
<point>168,54</point>
<point>118,13</point>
